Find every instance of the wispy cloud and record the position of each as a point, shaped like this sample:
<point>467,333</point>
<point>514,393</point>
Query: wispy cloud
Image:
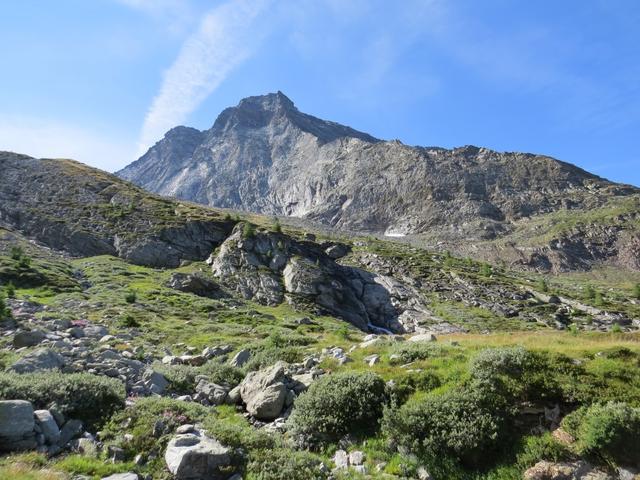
<point>40,137</point>
<point>226,36</point>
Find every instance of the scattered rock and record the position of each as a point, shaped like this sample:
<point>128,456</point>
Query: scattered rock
<point>264,392</point>
<point>240,358</point>
<point>196,456</point>
<point>41,359</point>
<point>28,338</point>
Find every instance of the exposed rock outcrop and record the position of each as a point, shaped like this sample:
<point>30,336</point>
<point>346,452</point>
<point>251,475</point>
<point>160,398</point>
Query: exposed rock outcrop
<point>270,267</point>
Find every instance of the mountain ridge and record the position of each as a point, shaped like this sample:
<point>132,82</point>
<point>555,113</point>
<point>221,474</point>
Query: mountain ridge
<point>267,157</point>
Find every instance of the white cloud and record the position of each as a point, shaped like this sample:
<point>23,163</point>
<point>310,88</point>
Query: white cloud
<point>227,36</point>
<point>43,138</point>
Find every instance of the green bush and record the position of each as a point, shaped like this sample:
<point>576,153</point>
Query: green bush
<point>131,297</point>
<point>265,355</point>
<point>466,424</point>
<point>83,396</point>
<point>248,230</point>
<point>140,418</point>
<point>610,431</point>
<point>336,405</point>
<point>636,291</point>
<point>518,374</point>
<point>413,351</point>
<point>10,290</point>
<point>182,378</point>
<point>5,312</point>
<point>128,321</point>
<point>284,464</point>
<point>404,386</point>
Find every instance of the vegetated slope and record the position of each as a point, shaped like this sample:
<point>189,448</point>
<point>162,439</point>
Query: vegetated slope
<point>84,211</point>
<point>265,156</point>
<point>249,348</point>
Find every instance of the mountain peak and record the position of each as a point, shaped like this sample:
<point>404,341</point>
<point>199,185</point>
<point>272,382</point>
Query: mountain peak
<point>259,111</point>
<point>271,101</point>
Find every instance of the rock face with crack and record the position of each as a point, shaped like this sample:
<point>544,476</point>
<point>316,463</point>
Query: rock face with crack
<point>271,267</point>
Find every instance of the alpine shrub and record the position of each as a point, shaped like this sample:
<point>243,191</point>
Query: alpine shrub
<point>83,396</point>
<point>336,405</point>
<point>610,431</point>
<point>465,424</point>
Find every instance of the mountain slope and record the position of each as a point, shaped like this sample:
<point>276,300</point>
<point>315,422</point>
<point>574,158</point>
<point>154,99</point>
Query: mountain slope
<point>267,157</point>
<point>84,211</point>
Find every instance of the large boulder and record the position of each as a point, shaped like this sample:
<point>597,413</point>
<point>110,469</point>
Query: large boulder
<point>196,284</point>
<point>27,338</point>
<point>17,425</point>
<point>41,359</point>
<point>195,457</point>
<point>264,392</point>
<point>48,426</point>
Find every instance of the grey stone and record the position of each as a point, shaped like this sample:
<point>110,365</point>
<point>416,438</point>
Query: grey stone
<point>195,457</point>
<point>264,392</point>
<point>28,338</point>
<point>41,359</point>
<point>70,430</point>
<point>49,427</point>
<point>240,358</point>
<point>122,476</point>
<point>17,425</point>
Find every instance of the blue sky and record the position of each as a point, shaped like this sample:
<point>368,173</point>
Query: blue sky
<point>101,80</point>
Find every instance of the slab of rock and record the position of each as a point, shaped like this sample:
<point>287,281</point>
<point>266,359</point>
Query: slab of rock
<point>579,470</point>
<point>155,381</point>
<point>28,338</point>
<point>264,392</point>
<point>240,358</point>
<point>41,359</point>
<point>196,284</point>
<point>423,337</point>
<point>196,456</point>
<point>122,476</point>
<point>16,425</point>
<point>48,425</point>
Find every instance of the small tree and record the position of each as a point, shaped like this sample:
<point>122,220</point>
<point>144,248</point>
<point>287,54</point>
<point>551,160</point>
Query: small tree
<point>16,252</point>
<point>131,297</point>
<point>598,299</point>
<point>589,293</point>
<point>10,290</point>
<point>542,285</point>
<point>248,230</point>
<point>486,270</point>
<point>636,291</point>
<point>4,311</point>
<point>276,225</point>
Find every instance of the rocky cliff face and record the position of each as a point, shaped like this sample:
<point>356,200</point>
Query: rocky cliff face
<point>265,156</point>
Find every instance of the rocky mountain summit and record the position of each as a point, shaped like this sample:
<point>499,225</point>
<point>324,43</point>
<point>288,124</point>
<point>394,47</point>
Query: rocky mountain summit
<point>265,156</point>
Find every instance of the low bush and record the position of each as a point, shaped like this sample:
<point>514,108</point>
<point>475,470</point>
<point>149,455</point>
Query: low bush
<point>131,297</point>
<point>83,396</point>
<point>610,431</point>
<point>408,352</point>
<point>466,424</point>
<point>336,405</point>
<point>182,378</point>
<point>140,419</point>
<point>404,386</point>
<point>284,464</point>
<point>264,356</point>
<point>521,375</point>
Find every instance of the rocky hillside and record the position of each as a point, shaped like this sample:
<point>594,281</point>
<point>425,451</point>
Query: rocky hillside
<point>145,338</point>
<point>83,211</point>
<point>265,156</point>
